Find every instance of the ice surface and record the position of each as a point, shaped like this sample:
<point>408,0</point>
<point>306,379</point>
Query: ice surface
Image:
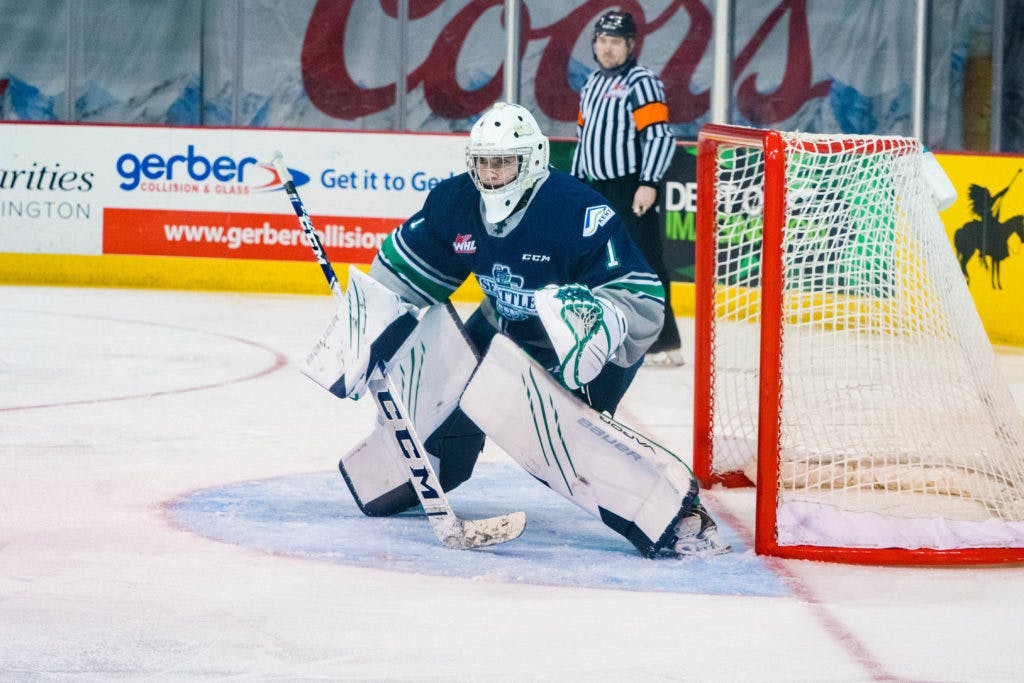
<point>170,509</point>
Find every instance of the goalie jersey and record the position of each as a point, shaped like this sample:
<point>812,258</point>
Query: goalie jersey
<point>566,233</point>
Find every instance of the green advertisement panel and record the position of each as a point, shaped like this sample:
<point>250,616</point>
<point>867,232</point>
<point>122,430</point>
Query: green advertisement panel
<point>678,206</point>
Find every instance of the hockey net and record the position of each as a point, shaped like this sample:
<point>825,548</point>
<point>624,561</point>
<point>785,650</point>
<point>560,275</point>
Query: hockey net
<point>840,361</point>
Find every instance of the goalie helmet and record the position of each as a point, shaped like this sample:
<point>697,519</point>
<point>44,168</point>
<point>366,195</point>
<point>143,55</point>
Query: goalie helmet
<point>506,156</point>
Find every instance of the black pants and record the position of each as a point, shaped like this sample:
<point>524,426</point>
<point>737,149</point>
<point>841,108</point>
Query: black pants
<point>646,233</point>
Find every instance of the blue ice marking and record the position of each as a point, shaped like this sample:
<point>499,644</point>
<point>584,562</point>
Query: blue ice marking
<point>313,516</point>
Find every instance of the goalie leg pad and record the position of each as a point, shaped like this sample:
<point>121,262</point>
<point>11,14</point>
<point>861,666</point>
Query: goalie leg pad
<point>431,371</point>
<point>374,472</point>
<point>374,475</point>
<point>635,486</point>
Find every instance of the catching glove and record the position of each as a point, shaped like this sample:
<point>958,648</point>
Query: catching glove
<point>584,329</point>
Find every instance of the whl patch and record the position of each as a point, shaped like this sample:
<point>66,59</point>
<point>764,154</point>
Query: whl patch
<point>464,244</point>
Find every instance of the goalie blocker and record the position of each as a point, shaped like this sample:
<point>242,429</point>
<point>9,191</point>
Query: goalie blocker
<point>634,486</point>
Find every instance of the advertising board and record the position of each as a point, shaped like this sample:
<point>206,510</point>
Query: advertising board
<point>151,191</point>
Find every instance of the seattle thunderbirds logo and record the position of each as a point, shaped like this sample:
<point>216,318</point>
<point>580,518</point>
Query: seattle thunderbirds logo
<point>506,289</point>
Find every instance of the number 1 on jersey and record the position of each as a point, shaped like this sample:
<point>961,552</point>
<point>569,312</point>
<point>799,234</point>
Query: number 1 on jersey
<point>613,260</point>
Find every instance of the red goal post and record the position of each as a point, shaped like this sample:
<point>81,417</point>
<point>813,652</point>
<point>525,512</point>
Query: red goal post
<point>839,359</point>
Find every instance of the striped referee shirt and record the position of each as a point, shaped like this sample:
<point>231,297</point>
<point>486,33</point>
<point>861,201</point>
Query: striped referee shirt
<point>622,127</point>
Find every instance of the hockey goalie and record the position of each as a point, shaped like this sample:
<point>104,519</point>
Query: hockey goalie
<point>570,308</point>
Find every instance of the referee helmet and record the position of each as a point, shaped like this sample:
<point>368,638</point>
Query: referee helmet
<point>614,23</point>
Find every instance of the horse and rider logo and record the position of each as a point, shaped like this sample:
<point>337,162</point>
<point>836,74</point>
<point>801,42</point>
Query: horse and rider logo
<point>989,236</point>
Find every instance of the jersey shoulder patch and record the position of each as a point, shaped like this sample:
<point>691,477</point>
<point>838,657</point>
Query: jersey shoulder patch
<point>595,217</point>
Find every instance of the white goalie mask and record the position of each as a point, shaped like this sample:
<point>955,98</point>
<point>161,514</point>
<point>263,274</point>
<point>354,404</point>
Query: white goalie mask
<point>506,156</point>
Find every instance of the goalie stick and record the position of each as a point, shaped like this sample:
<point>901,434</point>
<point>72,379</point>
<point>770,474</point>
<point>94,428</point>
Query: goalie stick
<point>450,530</point>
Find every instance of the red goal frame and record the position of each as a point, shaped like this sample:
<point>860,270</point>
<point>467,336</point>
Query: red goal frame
<point>770,388</point>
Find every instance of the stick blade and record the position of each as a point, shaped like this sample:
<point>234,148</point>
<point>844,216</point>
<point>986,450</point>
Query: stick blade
<point>480,533</point>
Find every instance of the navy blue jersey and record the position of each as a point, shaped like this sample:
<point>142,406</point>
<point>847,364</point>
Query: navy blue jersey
<point>568,234</point>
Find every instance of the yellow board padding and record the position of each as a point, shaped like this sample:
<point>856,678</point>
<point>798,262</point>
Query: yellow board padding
<point>209,274</point>
<point>162,272</point>
<point>683,299</point>
<point>177,272</point>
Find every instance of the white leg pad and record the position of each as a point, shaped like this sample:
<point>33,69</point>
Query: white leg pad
<point>432,368</point>
<point>376,476</point>
<point>634,485</point>
<point>430,371</point>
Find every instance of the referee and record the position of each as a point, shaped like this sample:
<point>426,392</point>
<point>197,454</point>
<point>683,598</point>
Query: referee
<point>625,147</point>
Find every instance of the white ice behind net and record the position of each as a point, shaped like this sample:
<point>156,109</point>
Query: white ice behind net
<point>892,404</point>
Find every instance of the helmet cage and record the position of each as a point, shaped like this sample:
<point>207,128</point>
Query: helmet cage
<point>473,162</point>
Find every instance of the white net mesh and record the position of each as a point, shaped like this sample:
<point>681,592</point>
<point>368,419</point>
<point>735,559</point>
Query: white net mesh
<point>893,412</point>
